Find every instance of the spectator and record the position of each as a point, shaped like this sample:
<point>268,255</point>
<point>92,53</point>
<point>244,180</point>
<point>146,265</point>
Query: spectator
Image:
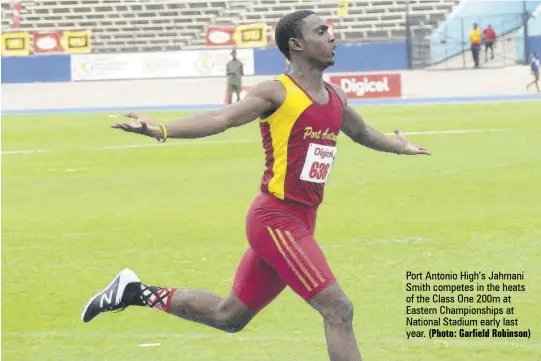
<point>235,71</point>
<point>489,38</point>
<point>475,43</point>
<point>534,65</point>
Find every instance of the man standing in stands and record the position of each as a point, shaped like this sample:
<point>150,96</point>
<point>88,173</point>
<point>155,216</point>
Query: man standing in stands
<point>489,38</point>
<point>475,43</point>
<point>235,71</point>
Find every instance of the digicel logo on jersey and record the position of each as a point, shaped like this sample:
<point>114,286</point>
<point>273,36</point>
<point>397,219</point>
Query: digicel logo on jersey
<point>324,153</point>
<point>369,86</point>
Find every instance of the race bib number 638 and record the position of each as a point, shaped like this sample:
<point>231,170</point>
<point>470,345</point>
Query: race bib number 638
<point>318,163</point>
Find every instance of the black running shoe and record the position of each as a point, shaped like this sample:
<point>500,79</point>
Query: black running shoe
<point>110,298</point>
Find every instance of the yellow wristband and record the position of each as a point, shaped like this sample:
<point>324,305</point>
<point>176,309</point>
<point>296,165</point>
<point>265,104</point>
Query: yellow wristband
<point>164,130</point>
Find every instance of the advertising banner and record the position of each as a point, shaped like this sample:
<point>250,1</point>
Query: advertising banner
<point>47,42</point>
<point>75,42</point>
<point>15,44</point>
<point>254,35</point>
<point>176,64</point>
<point>369,86</point>
<point>220,35</point>
<point>251,35</point>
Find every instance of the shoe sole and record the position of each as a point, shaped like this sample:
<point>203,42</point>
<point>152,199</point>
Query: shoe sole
<point>125,277</point>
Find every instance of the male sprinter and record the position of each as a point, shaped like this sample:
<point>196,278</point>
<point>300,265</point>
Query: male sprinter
<point>534,66</point>
<point>300,117</point>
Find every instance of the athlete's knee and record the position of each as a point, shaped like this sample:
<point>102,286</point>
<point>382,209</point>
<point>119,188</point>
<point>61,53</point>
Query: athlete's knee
<point>334,306</point>
<point>341,311</point>
<point>230,322</point>
<point>232,315</point>
<point>231,325</point>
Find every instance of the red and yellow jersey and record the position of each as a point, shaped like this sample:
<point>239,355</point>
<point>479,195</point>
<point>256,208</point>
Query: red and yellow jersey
<point>299,139</point>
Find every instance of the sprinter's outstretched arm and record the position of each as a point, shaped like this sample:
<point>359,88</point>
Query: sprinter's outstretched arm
<point>261,99</point>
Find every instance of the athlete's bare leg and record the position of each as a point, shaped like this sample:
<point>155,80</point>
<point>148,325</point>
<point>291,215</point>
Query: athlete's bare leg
<point>255,282</point>
<point>228,314</point>
<point>536,82</point>
<point>337,312</point>
<point>126,289</point>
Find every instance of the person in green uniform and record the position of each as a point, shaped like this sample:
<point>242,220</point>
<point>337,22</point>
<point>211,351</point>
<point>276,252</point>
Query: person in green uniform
<point>235,71</point>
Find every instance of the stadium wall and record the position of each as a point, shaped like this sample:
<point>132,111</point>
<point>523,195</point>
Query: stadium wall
<point>190,63</point>
<point>352,58</point>
<point>43,68</point>
<point>211,91</point>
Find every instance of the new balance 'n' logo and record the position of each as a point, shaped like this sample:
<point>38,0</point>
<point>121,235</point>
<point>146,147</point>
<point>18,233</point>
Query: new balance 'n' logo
<point>107,298</point>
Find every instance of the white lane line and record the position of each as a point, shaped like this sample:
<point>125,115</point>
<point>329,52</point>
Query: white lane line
<point>229,141</point>
<point>29,151</point>
<point>149,344</point>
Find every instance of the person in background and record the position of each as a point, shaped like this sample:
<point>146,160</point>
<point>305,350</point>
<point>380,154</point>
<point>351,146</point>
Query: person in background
<point>475,43</point>
<point>489,38</point>
<point>235,71</point>
<point>534,65</point>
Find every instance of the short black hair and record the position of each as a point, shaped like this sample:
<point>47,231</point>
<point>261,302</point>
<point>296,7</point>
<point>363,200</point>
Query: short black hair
<point>289,27</point>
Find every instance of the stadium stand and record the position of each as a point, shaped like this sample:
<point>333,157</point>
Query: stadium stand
<point>160,25</point>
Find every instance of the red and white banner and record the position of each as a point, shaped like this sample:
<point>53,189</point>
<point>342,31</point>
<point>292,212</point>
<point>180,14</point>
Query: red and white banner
<point>220,35</point>
<point>47,42</point>
<point>368,86</point>
<point>250,35</point>
<point>16,15</point>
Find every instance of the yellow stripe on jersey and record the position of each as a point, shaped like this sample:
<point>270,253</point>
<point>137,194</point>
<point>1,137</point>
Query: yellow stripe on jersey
<point>288,261</point>
<point>281,122</point>
<point>295,258</point>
